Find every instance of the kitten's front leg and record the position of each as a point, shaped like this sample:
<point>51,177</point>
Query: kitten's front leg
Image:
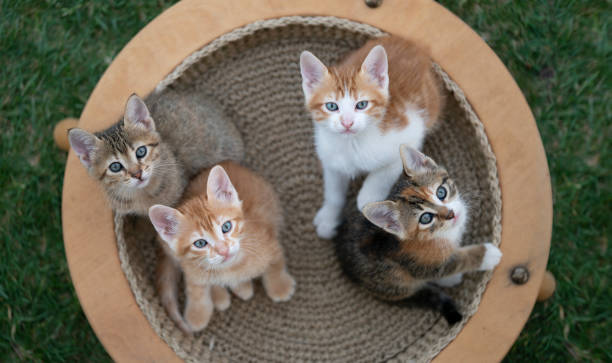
<point>220,297</point>
<point>199,307</point>
<point>378,183</point>
<point>243,290</point>
<point>449,281</point>
<point>277,282</point>
<point>481,257</point>
<point>327,219</point>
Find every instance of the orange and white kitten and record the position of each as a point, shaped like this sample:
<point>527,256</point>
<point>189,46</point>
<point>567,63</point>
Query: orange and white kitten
<point>382,95</point>
<point>222,235</point>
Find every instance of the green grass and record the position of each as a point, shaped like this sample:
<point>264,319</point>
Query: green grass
<point>52,54</point>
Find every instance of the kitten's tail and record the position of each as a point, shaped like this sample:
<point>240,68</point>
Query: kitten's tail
<point>167,283</point>
<point>432,297</point>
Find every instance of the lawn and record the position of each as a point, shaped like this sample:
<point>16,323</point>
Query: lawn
<point>53,52</point>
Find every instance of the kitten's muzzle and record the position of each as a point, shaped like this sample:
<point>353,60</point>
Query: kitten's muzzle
<point>137,175</point>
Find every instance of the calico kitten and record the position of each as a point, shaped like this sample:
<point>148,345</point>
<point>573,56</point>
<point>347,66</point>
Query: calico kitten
<point>224,233</point>
<point>403,248</point>
<point>140,161</point>
<point>382,95</point>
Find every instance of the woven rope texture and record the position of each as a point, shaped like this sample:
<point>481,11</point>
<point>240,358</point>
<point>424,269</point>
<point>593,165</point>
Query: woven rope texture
<point>254,73</point>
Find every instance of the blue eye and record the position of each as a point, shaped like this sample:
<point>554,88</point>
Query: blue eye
<point>361,105</point>
<point>441,193</point>
<point>141,152</point>
<point>115,167</point>
<point>332,106</point>
<point>426,218</point>
<point>200,243</point>
<point>226,227</point>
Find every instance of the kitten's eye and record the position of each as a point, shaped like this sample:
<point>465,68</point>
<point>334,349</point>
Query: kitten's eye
<point>115,167</point>
<point>426,218</point>
<point>361,105</point>
<point>141,152</point>
<point>441,193</point>
<point>200,243</point>
<point>226,227</point>
<point>332,106</point>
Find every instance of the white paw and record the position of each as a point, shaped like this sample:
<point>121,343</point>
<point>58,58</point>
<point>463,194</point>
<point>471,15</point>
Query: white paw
<point>491,257</point>
<point>326,221</point>
<point>451,280</point>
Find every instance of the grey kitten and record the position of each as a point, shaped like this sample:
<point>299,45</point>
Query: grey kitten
<point>148,158</point>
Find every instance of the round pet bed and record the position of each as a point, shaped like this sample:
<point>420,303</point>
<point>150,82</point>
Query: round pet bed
<point>248,61</point>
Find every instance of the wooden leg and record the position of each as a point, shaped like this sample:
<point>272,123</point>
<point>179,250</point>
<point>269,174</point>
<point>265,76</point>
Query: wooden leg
<point>548,286</point>
<point>60,132</point>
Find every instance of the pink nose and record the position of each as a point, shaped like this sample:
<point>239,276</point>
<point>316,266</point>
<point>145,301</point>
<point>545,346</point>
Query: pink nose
<point>222,250</point>
<point>137,175</point>
<point>347,123</point>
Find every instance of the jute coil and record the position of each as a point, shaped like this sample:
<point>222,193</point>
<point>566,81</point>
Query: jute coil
<point>253,72</point>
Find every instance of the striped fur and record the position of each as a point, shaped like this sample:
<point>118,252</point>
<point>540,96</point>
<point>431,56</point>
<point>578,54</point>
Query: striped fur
<point>388,251</point>
<point>182,135</point>
<point>231,259</point>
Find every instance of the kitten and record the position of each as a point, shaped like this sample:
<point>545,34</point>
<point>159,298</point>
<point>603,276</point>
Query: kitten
<point>403,248</point>
<point>363,109</point>
<point>224,233</point>
<point>140,161</point>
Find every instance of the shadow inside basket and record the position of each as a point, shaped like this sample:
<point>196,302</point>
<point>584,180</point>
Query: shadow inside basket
<point>254,74</point>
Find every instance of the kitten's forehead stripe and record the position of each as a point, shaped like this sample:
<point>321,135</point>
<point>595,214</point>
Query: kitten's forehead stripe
<point>344,80</point>
<point>115,137</point>
<point>420,194</point>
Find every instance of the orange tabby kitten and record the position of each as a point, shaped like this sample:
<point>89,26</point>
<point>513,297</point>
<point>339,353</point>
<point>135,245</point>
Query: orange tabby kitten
<point>223,234</point>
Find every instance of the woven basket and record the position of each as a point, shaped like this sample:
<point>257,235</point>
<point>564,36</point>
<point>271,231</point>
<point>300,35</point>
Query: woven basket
<point>253,72</point>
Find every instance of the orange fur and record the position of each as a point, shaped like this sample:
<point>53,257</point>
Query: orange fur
<point>255,220</point>
<point>412,83</point>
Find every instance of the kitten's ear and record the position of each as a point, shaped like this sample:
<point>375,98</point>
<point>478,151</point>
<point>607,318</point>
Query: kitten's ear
<point>166,221</point>
<point>313,71</point>
<point>137,114</point>
<point>220,188</point>
<point>415,162</point>
<point>376,66</point>
<point>386,216</point>
<point>84,145</point>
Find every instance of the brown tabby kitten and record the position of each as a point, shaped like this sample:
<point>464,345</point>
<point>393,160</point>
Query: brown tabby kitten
<point>141,162</point>
<point>401,248</point>
<point>224,233</point>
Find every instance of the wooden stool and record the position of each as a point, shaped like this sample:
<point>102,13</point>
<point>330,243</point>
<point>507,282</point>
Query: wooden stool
<point>154,52</point>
